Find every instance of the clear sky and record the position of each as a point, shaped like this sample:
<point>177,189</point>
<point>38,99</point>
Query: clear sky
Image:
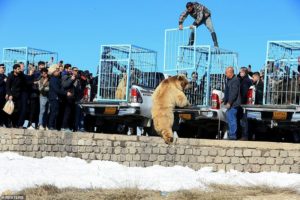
<point>77,28</point>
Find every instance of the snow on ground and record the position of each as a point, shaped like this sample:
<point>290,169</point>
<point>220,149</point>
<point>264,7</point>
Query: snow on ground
<point>19,172</point>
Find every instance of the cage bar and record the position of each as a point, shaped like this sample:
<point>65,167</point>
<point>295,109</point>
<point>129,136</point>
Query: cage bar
<point>122,66</point>
<point>281,75</point>
<point>27,55</point>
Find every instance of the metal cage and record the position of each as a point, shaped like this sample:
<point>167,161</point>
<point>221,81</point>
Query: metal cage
<point>205,71</point>
<point>179,46</point>
<point>27,55</point>
<point>281,75</point>
<point>120,67</point>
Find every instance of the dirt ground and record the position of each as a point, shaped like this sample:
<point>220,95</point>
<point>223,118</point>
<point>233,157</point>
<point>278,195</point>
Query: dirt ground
<point>216,192</point>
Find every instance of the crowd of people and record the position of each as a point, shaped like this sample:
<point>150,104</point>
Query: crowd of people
<point>45,97</point>
<point>236,94</point>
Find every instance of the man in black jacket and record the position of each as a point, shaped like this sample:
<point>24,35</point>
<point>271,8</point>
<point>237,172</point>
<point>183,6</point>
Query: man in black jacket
<point>14,88</point>
<point>33,95</point>
<point>67,82</point>
<point>232,101</point>
<point>3,78</point>
<point>246,83</point>
<point>259,88</point>
<point>56,93</point>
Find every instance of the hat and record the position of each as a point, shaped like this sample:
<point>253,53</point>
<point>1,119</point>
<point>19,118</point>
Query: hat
<point>52,69</point>
<point>188,4</point>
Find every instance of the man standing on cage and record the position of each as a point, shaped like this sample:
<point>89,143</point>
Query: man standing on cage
<point>202,16</point>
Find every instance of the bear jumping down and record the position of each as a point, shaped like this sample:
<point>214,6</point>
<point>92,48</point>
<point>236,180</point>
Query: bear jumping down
<point>166,96</point>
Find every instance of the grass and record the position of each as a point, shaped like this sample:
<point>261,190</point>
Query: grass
<point>216,192</point>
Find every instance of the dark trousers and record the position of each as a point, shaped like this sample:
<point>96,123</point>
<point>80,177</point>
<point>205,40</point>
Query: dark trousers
<point>243,120</point>
<point>23,108</point>
<point>34,110</point>
<point>3,115</point>
<point>67,113</point>
<point>79,118</point>
<point>54,109</point>
<point>15,116</point>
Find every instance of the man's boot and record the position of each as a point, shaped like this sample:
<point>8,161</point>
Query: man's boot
<point>192,38</point>
<point>214,38</point>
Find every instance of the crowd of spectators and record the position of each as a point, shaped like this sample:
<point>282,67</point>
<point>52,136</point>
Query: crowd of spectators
<point>45,97</point>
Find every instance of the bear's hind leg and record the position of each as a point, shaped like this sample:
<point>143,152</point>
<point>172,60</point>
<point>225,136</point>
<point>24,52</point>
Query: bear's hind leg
<point>167,135</point>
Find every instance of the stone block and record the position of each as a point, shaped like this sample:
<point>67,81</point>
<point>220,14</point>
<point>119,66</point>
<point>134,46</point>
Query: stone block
<point>218,160</point>
<point>212,152</point>
<point>226,160</point>
<point>239,167</point>
<point>284,154</point>
<point>238,152</point>
<point>201,159</point>
<point>188,151</point>
<point>270,161</point>
<point>247,153</point>
<point>163,150</point>
<point>235,160</point>
<point>265,168</point>
<point>274,153</point>
<point>230,152</point>
<point>285,168</point>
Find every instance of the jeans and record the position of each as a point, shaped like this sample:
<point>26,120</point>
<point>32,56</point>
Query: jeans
<point>79,119</point>
<point>231,115</point>
<point>209,25</point>
<point>44,104</point>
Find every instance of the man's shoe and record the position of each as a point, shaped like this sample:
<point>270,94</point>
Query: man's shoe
<point>30,128</point>
<point>244,139</point>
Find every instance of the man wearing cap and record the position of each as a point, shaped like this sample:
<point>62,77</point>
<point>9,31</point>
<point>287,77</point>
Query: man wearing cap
<point>55,95</point>
<point>202,15</point>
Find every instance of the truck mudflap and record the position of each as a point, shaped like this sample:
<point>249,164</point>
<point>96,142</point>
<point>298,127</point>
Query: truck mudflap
<point>194,113</point>
<point>113,109</point>
<point>282,113</point>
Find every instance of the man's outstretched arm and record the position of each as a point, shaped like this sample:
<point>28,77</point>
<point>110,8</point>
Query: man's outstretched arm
<point>182,17</point>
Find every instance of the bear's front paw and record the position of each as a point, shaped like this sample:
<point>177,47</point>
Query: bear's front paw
<point>188,104</point>
<point>169,140</point>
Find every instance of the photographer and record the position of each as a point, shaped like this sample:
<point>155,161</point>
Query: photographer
<point>67,82</point>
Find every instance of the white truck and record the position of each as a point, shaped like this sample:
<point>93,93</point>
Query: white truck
<point>278,118</point>
<point>134,69</point>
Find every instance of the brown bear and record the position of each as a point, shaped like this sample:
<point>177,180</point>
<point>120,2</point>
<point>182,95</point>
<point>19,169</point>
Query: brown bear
<point>121,89</point>
<point>166,96</point>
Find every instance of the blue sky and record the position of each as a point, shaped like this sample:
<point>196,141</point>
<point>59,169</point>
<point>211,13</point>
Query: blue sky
<point>77,28</point>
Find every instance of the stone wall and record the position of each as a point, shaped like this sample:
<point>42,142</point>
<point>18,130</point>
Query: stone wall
<point>147,151</point>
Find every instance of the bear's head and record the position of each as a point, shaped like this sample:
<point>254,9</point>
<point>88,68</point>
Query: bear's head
<point>182,82</point>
